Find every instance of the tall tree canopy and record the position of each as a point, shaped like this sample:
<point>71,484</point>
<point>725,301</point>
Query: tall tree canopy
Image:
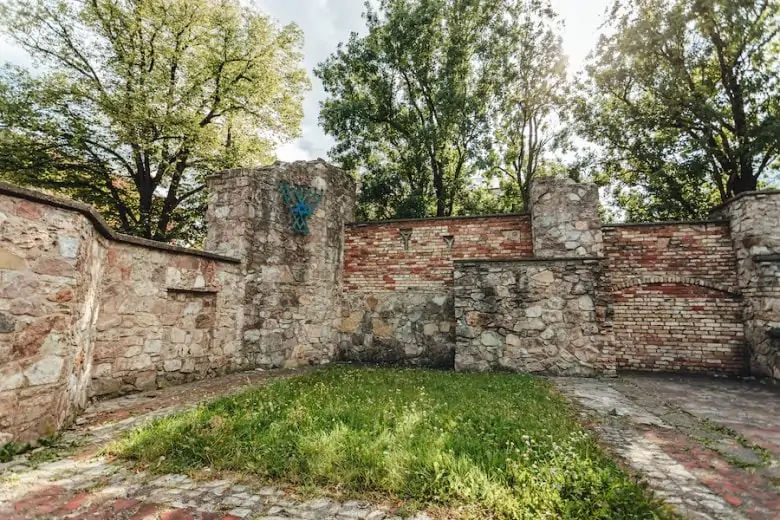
<point>409,102</point>
<point>530,107</point>
<point>140,99</point>
<point>683,99</point>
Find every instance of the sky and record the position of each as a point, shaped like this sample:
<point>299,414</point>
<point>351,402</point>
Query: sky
<point>325,23</point>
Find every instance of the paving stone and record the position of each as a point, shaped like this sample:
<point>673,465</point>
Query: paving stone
<point>675,431</point>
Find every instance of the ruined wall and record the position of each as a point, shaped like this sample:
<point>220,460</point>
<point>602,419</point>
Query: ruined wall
<point>293,281</point>
<point>528,316</point>
<point>541,314</point>
<point>672,291</point>
<point>165,318</point>
<point>85,311</point>
<point>50,267</point>
<point>755,232</point>
<point>398,304</point>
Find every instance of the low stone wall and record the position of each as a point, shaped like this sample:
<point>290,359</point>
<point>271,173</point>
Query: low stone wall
<point>534,316</point>
<point>165,319</point>
<point>85,311</point>
<point>398,283</point>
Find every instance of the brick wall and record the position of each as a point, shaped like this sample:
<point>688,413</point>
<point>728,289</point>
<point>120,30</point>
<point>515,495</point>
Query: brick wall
<point>673,326</point>
<point>397,304</point>
<point>674,300</point>
<point>694,250</point>
<point>377,260</point>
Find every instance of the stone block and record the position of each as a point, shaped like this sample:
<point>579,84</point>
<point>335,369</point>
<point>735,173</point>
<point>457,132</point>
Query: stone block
<point>46,371</point>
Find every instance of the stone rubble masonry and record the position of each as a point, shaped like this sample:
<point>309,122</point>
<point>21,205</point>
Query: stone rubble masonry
<point>539,315</point>
<point>565,218</point>
<point>50,264</point>
<point>414,328</point>
<point>674,300</point>
<point>755,232</point>
<point>291,305</point>
<point>85,311</point>
<point>528,316</point>
<point>398,304</point>
<point>165,319</point>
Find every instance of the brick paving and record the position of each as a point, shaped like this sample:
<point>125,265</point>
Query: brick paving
<point>711,448</point>
<point>707,446</point>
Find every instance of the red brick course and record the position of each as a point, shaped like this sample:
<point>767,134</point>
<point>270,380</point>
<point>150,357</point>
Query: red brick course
<point>672,286</point>
<point>375,259</point>
<point>693,250</point>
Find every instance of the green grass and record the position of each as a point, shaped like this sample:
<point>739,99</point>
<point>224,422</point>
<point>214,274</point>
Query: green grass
<point>505,444</point>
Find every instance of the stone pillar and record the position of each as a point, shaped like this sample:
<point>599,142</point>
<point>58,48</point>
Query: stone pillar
<point>755,233</point>
<point>293,280</point>
<point>565,218</point>
<point>230,214</point>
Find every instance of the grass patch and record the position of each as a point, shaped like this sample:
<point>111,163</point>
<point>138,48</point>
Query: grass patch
<point>505,443</point>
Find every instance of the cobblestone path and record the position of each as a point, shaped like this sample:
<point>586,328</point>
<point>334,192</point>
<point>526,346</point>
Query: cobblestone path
<point>81,484</point>
<point>710,447</point>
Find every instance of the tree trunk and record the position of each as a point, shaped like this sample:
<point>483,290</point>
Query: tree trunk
<point>438,187</point>
<point>742,183</point>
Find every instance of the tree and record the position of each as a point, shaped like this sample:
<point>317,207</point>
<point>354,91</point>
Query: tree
<point>408,103</point>
<point>141,99</point>
<point>532,96</point>
<point>683,98</point>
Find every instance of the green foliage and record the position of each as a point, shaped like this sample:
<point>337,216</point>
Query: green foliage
<point>683,96</point>
<point>504,443</point>
<point>530,109</point>
<point>139,101</point>
<point>408,103</point>
<point>11,449</point>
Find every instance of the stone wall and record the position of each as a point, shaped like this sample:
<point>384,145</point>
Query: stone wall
<point>565,218</point>
<point>398,304</point>
<point>50,268</point>
<point>291,308</point>
<point>528,316</point>
<point>755,233</point>
<point>165,319</point>
<point>672,291</point>
<point>85,311</point>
